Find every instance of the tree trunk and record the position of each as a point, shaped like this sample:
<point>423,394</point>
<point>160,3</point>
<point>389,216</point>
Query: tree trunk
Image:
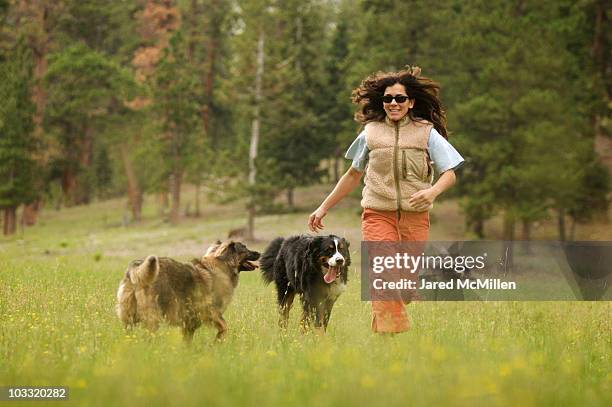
<point>509,235</point>
<point>175,193</point>
<point>478,227</point>
<point>526,236</point>
<point>561,219</point>
<point>290,201</point>
<point>133,189</point>
<point>197,199</point>
<point>509,226</point>
<point>10,221</point>
<point>475,223</point>
<point>573,229</point>
<point>30,212</point>
<point>164,202</point>
<point>69,183</point>
<point>39,44</point>
<point>255,135</point>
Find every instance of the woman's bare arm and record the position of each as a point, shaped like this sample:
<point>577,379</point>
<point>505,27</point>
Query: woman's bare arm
<point>345,185</point>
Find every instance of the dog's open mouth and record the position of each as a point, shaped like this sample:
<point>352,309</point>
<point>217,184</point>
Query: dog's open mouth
<point>332,273</point>
<point>247,266</point>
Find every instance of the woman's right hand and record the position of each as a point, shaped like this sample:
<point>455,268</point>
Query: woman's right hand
<point>314,221</point>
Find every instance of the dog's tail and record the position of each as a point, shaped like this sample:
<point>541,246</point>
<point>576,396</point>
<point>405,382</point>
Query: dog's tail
<point>126,303</point>
<point>268,258</point>
<point>139,273</point>
<point>146,272</point>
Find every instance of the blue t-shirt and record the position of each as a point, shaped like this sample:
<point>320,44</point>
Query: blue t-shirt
<point>441,152</point>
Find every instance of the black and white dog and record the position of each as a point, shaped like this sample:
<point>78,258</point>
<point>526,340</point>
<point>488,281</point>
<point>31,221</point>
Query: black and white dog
<point>316,268</point>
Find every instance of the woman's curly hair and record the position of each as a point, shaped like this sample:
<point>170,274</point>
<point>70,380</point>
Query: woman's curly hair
<point>425,92</point>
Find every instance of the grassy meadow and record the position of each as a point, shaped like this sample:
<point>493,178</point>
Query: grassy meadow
<point>58,327</point>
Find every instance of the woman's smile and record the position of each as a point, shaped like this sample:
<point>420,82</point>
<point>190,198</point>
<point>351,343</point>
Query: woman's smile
<point>395,110</point>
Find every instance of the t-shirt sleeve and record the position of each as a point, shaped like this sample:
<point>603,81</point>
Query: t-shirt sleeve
<point>442,153</point>
<point>358,152</point>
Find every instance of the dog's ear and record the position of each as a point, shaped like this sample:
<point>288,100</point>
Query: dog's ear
<point>309,245</point>
<point>313,252</point>
<point>226,251</point>
<point>231,247</point>
<point>212,249</point>
<point>346,243</point>
<point>313,244</point>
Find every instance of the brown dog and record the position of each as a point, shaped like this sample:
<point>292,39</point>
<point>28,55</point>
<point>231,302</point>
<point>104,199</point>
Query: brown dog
<point>183,294</point>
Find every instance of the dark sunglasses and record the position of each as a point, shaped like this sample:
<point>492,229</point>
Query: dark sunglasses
<point>398,98</point>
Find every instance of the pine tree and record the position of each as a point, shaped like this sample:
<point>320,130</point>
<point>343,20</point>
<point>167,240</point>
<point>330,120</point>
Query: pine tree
<point>207,25</point>
<point>84,89</point>
<point>34,24</point>
<point>252,64</point>
<point>337,111</point>
<point>17,143</point>
<point>175,101</point>
<point>520,105</point>
<point>296,140</point>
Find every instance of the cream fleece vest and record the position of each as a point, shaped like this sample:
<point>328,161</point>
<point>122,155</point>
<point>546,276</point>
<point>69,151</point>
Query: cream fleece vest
<point>398,163</point>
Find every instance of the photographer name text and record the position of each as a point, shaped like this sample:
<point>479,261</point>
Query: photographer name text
<point>467,284</point>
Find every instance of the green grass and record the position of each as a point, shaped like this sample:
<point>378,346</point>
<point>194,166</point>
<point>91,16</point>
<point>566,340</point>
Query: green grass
<point>57,327</point>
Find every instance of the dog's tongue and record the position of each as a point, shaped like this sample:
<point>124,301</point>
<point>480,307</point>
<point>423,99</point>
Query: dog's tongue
<point>330,276</point>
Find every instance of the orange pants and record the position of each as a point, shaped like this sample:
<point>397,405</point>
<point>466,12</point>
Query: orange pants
<point>390,316</point>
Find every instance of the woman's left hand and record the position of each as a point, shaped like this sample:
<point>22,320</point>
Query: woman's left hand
<point>423,199</point>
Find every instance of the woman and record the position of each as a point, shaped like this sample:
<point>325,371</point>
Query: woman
<point>404,134</point>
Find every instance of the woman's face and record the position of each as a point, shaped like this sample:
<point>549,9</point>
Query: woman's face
<point>395,111</point>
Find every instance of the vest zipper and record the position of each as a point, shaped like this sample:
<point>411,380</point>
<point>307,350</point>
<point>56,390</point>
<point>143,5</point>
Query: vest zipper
<point>395,167</point>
